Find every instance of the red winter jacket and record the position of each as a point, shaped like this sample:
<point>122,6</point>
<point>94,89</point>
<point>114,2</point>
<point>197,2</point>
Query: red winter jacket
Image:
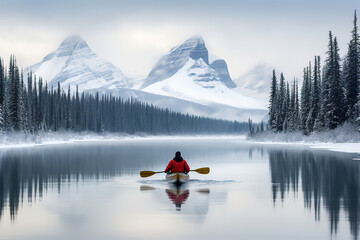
<point>175,166</point>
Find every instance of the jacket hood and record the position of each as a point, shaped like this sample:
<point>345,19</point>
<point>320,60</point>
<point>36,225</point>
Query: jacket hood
<point>178,158</point>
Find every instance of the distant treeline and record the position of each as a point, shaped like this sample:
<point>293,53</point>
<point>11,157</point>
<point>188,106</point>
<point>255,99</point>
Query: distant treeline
<point>330,96</point>
<point>32,107</point>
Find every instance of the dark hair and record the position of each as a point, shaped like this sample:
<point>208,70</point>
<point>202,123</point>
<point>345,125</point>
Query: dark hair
<point>178,157</point>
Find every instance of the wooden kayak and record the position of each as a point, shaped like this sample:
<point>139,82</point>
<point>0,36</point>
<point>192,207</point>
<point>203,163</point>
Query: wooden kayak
<point>177,177</point>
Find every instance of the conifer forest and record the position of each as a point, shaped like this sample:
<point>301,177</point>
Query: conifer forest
<point>329,95</point>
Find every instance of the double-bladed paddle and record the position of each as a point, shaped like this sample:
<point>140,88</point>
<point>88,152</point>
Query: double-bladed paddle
<point>204,170</point>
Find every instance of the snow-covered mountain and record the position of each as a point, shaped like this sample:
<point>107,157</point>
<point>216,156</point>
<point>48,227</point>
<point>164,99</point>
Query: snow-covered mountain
<point>185,73</point>
<point>256,82</point>
<point>192,49</point>
<point>183,80</point>
<point>74,63</point>
<point>257,79</point>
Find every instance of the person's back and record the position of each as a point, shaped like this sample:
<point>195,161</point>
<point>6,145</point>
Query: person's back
<point>178,164</point>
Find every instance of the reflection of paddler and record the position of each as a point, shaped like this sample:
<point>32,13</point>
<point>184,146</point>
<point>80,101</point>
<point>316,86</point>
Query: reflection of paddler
<point>178,197</point>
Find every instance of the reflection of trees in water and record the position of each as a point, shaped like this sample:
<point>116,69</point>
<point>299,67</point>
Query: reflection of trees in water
<point>328,180</point>
<point>27,174</point>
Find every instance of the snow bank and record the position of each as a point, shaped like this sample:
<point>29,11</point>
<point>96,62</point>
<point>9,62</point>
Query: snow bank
<point>15,139</point>
<point>342,139</point>
<point>18,140</point>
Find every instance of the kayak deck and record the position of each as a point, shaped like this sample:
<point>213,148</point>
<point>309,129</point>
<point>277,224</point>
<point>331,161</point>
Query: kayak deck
<point>177,177</point>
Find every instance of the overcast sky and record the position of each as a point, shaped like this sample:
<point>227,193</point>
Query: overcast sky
<point>134,34</point>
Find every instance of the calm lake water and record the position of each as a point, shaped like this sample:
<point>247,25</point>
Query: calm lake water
<point>92,190</point>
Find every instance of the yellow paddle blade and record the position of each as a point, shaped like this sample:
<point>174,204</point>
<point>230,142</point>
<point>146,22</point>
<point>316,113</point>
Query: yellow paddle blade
<point>146,173</point>
<point>149,173</point>
<point>204,170</point>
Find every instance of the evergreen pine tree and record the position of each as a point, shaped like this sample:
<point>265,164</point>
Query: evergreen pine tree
<point>2,94</point>
<point>14,95</point>
<point>273,103</point>
<point>68,110</point>
<point>2,82</point>
<point>30,124</point>
<point>291,111</point>
<point>297,119</point>
<point>327,107</point>
<point>352,73</point>
<point>320,123</point>
<point>39,106</point>
<point>77,110</point>
<point>315,95</point>
<point>251,127</point>
<point>286,108</point>
<point>305,101</point>
<point>281,104</point>
<point>336,94</point>
<point>22,103</point>
<point>1,120</point>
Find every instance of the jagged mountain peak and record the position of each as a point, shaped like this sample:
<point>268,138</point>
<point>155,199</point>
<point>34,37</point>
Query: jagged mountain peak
<point>68,47</point>
<point>74,42</point>
<point>74,63</point>
<point>194,48</point>
<point>191,42</point>
<point>196,38</point>
<point>221,68</point>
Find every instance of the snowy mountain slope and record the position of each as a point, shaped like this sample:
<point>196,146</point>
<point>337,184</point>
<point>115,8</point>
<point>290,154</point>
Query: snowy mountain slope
<point>213,110</point>
<point>221,68</point>
<point>193,48</point>
<point>257,79</point>
<point>73,63</point>
<point>195,82</point>
<point>256,82</point>
<point>185,73</point>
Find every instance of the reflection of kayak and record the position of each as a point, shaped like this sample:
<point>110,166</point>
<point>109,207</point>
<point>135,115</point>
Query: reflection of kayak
<point>177,177</point>
<point>178,197</point>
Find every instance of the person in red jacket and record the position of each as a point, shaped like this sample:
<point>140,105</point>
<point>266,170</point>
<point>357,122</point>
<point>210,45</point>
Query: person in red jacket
<point>178,164</point>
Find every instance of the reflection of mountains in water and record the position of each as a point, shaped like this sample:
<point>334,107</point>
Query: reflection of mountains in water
<point>28,173</point>
<point>327,180</point>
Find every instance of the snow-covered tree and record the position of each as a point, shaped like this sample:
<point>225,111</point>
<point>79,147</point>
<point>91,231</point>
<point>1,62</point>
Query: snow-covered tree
<point>14,95</point>
<point>2,82</point>
<point>281,104</point>
<point>315,95</point>
<point>335,114</point>
<point>352,73</point>
<point>273,103</point>
<point>286,109</point>
<point>305,100</point>
<point>297,119</point>
<point>291,112</point>
<point>2,93</point>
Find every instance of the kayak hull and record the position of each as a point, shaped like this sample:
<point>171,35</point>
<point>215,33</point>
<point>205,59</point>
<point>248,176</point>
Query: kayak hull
<point>177,178</point>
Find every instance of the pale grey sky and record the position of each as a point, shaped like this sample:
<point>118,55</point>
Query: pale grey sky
<point>133,35</point>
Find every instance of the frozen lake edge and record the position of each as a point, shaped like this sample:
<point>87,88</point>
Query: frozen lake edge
<point>21,140</point>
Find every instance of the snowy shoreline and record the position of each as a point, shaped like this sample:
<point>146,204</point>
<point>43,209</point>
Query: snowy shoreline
<point>342,139</point>
<point>335,147</point>
<point>24,140</point>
